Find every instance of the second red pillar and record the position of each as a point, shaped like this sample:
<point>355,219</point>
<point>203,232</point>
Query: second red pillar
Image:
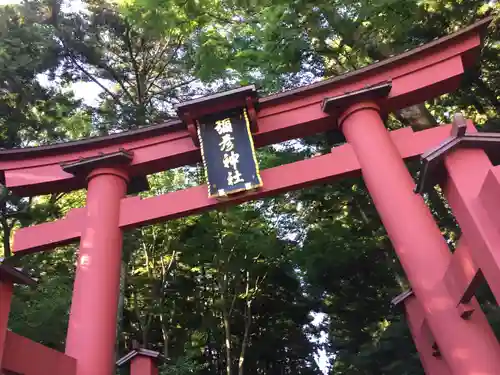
<point>467,347</point>
<point>93,316</point>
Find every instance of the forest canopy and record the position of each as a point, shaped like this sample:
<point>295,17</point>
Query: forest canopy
<point>296,284</point>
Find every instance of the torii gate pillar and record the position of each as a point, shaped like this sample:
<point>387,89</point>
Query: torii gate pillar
<point>93,317</point>
<point>469,347</point>
<point>8,277</point>
<point>5,298</point>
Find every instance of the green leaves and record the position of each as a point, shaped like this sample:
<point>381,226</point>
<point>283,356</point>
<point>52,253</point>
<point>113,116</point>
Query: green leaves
<point>183,366</point>
<point>30,111</point>
<point>230,291</point>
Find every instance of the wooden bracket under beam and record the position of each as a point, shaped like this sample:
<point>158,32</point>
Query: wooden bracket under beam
<point>192,130</point>
<point>252,114</point>
<point>421,332</point>
<point>462,279</point>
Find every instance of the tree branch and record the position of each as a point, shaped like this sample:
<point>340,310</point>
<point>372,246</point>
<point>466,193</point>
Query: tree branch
<point>6,236</point>
<point>92,78</point>
<point>134,64</point>
<point>169,60</point>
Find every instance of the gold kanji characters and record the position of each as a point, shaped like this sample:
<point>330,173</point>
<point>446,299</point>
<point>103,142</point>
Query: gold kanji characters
<point>223,126</point>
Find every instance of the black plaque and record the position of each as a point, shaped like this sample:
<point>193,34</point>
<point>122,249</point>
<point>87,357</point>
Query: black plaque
<point>228,153</point>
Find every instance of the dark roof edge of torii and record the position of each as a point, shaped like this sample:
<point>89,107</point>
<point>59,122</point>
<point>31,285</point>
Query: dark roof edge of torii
<point>177,124</point>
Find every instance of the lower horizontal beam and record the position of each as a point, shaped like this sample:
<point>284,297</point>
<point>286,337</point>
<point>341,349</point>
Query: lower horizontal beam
<point>463,276</point>
<point>51,234</point>
<point>341,162</point>
<point>424,341</point>
<point>23,356</point>
<point>489,193</point>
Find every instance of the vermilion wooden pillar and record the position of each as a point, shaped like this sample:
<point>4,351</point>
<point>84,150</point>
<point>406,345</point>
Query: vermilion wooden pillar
<point>8,277</point>
<point>466,347</point>
<point>93,317</point>
<point>5,298</point>
<point>473,192</point>
<point>431,360</point>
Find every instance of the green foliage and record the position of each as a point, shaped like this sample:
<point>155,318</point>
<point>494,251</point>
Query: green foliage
<point>30,112</point>
<point>183,366</point>
<point>41,313</point>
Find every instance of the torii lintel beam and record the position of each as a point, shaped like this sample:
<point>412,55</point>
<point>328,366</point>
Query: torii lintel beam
<point>341,162</point>
<point>417,75</point>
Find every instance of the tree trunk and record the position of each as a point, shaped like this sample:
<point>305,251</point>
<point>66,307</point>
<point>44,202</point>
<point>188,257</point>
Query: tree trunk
<point>227,332</point>
<point>6,237</point>
<point>417,116</point>
<point>164,331</point>
<point>121,299</point>
<point>244,344</point>
<point>145,338</point>
<point>165,335</point>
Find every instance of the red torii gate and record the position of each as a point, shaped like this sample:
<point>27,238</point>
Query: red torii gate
<point>449,328</point>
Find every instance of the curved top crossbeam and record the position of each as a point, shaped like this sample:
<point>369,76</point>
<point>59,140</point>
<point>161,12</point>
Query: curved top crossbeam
<point>417,75</point>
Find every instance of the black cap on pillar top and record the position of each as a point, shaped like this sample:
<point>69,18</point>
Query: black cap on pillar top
<point>122,158</point>
<point>337,104</point>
